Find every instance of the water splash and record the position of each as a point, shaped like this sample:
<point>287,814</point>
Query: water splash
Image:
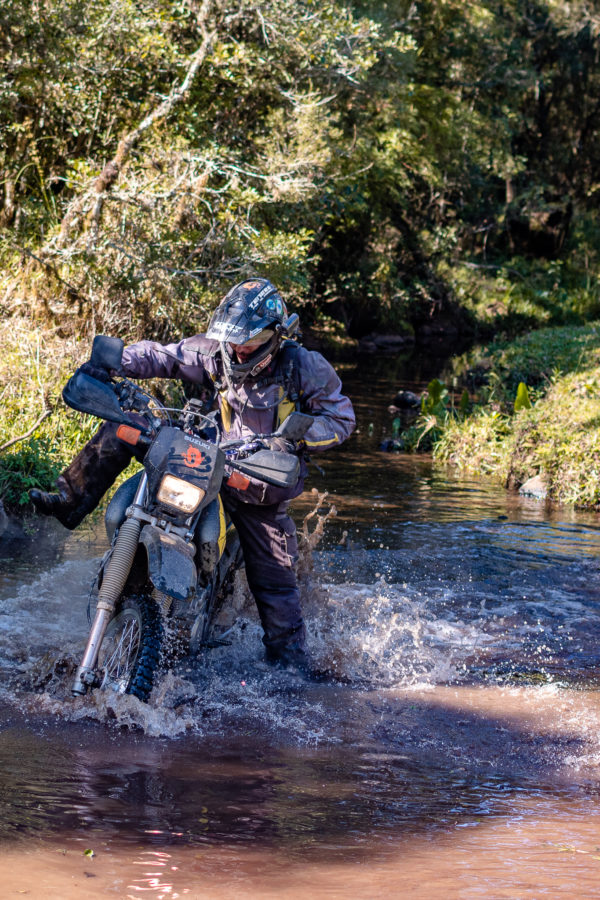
<point>465,611</point>
<point>370,635</point>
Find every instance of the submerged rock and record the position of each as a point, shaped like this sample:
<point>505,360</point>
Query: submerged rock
<point>385,343</point>
<point>534,487</point>
<point>391,444</point>
<point>405,400</point>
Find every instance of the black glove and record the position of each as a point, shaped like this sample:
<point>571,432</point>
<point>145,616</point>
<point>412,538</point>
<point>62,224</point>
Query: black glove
<point>279,443</point>
<point>95,372</point>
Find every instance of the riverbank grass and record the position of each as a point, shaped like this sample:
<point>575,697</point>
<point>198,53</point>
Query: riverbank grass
<point>40,435</point>
<point>558,438</point>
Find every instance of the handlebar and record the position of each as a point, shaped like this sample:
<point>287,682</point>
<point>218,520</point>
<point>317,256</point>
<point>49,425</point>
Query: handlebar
<point>113,400</point>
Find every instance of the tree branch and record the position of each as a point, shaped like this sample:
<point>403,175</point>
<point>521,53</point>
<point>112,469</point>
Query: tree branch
<point>27,434</point>
<point>74,293</point>
<point>112,169</point>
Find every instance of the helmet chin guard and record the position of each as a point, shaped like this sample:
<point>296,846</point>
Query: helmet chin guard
<point>253,366</point>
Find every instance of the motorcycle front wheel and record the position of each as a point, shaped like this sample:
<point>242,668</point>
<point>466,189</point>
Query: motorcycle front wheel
<point>130,652</point>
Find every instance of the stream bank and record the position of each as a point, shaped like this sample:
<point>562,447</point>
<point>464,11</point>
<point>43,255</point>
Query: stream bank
<point>554,436</point>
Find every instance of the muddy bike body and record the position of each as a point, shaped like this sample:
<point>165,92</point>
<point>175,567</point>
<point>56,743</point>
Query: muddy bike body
<point>173,553</point>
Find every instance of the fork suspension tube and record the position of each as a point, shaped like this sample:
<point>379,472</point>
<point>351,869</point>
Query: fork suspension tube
<point>115,575</point>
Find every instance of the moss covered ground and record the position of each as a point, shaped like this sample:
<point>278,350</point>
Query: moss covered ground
<point>558,437</point>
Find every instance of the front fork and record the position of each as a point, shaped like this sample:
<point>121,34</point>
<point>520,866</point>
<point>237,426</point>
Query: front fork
<point>115,575</point>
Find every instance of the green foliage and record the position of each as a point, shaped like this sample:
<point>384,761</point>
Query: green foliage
<point>392,161</point>
<point>229,182</point>
<point>434,413</point>
<point>522,400</point>
<point>557,437</point>
<point>32,372</point>
<point>437,411</point>
<point>34,463</point>
<point>478,443</point>
<point>464,404</point>
<point>520,294</point>
<point>535,358</point>
<point>435,398</point>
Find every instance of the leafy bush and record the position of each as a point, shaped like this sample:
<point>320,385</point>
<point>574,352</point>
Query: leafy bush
<point>437,411</point>
<point>387,163</point>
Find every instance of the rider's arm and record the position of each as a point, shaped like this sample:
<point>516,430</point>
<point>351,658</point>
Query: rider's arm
<point>148,359</point>
<point>321,396</point>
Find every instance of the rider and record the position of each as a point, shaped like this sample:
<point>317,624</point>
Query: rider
<point>259,377</point>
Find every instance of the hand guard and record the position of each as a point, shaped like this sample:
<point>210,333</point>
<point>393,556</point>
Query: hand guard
<point>95,372</point>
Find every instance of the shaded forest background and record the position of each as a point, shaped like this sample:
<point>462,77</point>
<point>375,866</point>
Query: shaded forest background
<point>427,167</point>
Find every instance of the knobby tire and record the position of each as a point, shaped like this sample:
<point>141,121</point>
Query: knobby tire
<point>132,647</point>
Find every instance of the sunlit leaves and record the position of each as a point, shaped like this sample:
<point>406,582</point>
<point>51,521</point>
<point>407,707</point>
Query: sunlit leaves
<point>404,138</point>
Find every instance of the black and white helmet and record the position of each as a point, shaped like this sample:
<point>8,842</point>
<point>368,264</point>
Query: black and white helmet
<point>250,309</point>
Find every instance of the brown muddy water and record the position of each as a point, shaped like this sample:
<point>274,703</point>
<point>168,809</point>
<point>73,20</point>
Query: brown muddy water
<point>459,758</point>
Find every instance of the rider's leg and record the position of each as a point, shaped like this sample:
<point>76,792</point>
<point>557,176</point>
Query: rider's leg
<point>270,547</point>
<point>84,482</point>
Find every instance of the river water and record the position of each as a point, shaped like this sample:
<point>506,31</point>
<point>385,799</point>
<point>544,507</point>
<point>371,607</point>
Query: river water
<point>457,755</point>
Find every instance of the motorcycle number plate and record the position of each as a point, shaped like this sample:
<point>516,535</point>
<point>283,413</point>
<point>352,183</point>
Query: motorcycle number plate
<point>175,453</point>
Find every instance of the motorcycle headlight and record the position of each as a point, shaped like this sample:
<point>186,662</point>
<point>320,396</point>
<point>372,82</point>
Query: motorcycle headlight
<point>179,494</point>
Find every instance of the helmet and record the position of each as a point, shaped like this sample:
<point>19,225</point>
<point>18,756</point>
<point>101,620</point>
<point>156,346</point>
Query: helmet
<point>250,307</point>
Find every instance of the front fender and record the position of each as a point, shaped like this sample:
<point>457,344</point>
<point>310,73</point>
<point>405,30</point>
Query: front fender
<point>171,565</point>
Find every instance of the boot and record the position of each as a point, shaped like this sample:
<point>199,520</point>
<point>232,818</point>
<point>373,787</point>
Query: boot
<point>84,482</point>
<point>62,505</point>
<point>297,661</point>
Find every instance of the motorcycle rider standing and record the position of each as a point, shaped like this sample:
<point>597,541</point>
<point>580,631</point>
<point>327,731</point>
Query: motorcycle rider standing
<point>258,376</point>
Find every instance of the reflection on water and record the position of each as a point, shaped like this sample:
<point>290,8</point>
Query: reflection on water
<point>456,757</point>
<point>422,761</point>
<point>412,777</point>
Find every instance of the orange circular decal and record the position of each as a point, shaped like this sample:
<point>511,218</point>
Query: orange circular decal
<point>193,457</point>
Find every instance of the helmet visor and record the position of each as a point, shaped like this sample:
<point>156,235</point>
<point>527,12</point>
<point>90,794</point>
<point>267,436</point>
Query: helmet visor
<point>255,342</point>
<point>235,326</point>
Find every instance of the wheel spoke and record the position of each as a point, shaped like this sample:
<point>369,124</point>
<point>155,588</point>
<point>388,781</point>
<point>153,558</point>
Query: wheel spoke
<point>125,644</point>
<point>130,653</point>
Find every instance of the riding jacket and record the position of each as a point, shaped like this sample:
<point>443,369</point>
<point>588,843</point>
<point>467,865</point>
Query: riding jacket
<point>295,379</point>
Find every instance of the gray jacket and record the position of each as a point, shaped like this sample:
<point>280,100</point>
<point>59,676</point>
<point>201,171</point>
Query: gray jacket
<point>253,404</point>
<point>252,408</point>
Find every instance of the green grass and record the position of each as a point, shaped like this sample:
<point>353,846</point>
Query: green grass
<point>558,438</point>
<point>535,358</point>
<point>33,368</point>
<point>519,293</point>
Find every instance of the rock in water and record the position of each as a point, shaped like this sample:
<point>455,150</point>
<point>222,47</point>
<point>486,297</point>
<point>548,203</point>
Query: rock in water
<point>407,400</point>
<point>534,487</point>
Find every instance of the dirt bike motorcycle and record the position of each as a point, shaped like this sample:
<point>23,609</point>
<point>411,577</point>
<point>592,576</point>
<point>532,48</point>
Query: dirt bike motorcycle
<point>173,553</point>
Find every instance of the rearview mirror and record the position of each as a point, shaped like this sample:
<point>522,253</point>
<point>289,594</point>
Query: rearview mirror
<point>107,352</point>
<point>295,426</point>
